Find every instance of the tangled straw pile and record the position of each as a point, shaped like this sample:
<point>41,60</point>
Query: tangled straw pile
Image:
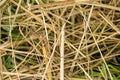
<point>47,40</point>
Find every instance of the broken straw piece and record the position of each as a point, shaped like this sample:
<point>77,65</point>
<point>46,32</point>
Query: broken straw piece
<point>73,0</point>
<point>82,1</point>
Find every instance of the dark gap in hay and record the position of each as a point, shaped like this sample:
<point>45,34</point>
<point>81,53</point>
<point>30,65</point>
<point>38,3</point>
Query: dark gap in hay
<point>105,1</point>
<point>78,19</point>
<point>4,36</point>
<point>7,61</point>
<point>85,6</point>
<point>25,47</point>
<point>117,36</point>
<point>117,60</point>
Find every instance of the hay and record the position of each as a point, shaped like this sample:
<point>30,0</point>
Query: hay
<point>66,40</point>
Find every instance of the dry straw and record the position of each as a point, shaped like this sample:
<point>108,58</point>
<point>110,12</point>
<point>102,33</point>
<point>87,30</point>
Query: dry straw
<point>59,40</point>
